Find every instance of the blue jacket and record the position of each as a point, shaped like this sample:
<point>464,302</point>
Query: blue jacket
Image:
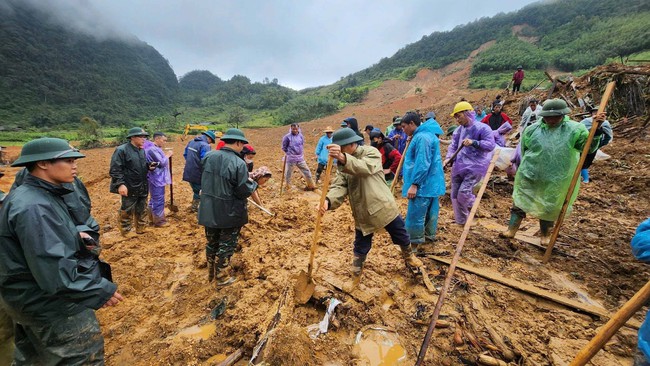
<point>194,152</point>
<point>321,149</point>
<point>401,144</point>
<point>423,163</point>
<point>641,250</point>
<point>436,126</point>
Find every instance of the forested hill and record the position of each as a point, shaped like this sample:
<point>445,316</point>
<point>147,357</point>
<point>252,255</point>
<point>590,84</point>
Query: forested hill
<point>567,35</point>
<point>50,75</point>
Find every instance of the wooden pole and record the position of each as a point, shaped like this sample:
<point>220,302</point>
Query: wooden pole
<point>314,242</point>
<point>612,326</point>
<point>399,167</point>
<point>452,266</point>
<point>233,358</point>
<point>453,157</point>
<point>585,150</point>
<point>284,168</point>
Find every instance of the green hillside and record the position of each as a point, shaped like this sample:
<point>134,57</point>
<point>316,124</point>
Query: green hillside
<point>51,76</point>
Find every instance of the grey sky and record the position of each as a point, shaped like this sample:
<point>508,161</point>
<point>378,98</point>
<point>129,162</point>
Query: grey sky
<point>302,43</point>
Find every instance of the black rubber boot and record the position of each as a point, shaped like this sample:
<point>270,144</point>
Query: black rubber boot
<point>513,225</point>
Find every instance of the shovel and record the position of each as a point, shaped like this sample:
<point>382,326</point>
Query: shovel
<point>172,206</point>
<point>305,285</point>
<point>453,157</point>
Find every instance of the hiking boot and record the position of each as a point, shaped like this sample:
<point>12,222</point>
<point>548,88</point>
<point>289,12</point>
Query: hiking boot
<point>411,261</point>
<point>195,205</point>
<point>513,226</point>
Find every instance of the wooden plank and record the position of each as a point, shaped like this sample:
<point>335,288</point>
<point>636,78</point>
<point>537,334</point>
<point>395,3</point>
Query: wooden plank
<point>533,290</point>
<point>527,236</point>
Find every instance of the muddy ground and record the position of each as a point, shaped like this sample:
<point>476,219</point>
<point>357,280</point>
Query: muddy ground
<point>166,317</point>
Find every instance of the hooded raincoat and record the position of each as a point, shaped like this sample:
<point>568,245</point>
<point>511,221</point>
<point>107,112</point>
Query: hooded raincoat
<point>294,147</point>
<point>641,250</point>
<point>549,157</point>
<point>437,130</point>
<point>362,180</point>
<point>129,167</point>
<point>194,152</point>
<point>500,124</point>
<point>321,149</point>
<point>354,125</point>
<point>400,136</point>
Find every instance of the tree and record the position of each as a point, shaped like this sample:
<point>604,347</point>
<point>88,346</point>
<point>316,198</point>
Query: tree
<point>236,116</point>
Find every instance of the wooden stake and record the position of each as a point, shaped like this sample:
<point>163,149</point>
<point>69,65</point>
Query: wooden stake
<point>399,167</point>
<point>314,242</point>
<point>452,266</point>
<point>233,358</point>
<point>284,168</point>
<point>612,326</point>
<point>585,150</point>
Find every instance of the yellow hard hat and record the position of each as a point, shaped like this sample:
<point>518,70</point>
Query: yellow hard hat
<point>461,107</point>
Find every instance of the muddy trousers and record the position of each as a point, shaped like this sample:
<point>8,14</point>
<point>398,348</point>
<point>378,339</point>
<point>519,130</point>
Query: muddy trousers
<point>75,340</point>
<point>462,195</point>
<point>221,245</point>
<point>304,169</point>
<point>320,169</point>
<point>422,219</point>
<point>396,229</point>
<point>157,204</point>
<point>133,206</point>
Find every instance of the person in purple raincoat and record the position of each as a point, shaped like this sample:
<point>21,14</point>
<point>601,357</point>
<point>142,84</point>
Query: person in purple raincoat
<point>500,124</point>
<point>472,161</point>
<point>293,145</point>
<point>158,178</point>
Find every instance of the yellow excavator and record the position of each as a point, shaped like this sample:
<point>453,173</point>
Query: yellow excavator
<point>189,128</point>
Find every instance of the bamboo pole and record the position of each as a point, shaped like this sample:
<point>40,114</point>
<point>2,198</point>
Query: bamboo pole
<point>612,326</point>
<point>399,167</point>
<point>585,150</point>
<point>452,266</point>
<point>323,196</point>
<point>284,168</point>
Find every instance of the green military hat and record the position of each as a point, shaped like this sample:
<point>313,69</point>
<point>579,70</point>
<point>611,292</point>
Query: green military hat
<point>46,148</point>
<point>397,121</point>
<point>234,134</point>
<point>451,129</point>
<point>554,107</point>
<point>136,131</point>
<point>345,136</point>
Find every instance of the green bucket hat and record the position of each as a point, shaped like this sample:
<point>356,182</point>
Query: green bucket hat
<point>345,136</point>
<point>136,131</point>
<point>451,129</point>
<point>234,134</point>
<point>210,134</point>
<point>397,121</point>
<point>46,148</point>
<point>554,107</point>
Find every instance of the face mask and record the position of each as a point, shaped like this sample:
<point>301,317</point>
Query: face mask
<point>248,161</point>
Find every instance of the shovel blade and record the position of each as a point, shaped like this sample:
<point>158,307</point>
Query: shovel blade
<point>303,288</point>
<point>173,208</point>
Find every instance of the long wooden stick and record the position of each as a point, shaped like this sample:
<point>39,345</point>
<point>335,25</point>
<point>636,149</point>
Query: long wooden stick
<point>284,168</point>
<point>234,357</point>
<point>314,242</point>
<point>452,266</point>
<point>453,157</point>
<point>612,326</point>
<point>399,166</point>
<point>585,150</point>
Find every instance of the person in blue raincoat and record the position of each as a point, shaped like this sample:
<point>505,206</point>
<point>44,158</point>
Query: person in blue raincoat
<point>194,152</point>
<point>424,179</point>
<point>321,151</point>
<point>398,137</point>
<point>641,250</point>
<point>430,118</point>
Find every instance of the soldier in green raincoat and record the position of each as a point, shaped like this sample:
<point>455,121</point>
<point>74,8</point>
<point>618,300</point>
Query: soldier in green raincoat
<point>50,283</point>
<point>550,152</point>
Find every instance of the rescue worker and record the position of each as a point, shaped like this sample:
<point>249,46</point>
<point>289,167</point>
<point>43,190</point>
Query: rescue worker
<point>225,186</point>
<point>248,154</point>
<point>354,125</point>
<point>293,145</point>
<point>431,118</point>
<point>50,283</point>
<point>606,136</point>
<point>128,171</point>
<point>500,124</point>
<point>398,136</point>
<point>550,151</point>
<point>517,79</point>
<point>158,178</point>
<point>321,151</point>
<point>361,180</point>
<point>641,250</point>
<point>194,152</point>
<point>390,157</point>
<point>530,115</point>
<point>472,161</point>
<point>424,179</point>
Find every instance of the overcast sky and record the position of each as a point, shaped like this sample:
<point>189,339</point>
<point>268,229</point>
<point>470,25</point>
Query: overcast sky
<point>301,43</point>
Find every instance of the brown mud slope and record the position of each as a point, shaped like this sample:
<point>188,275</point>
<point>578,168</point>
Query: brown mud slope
<point>166,317</point>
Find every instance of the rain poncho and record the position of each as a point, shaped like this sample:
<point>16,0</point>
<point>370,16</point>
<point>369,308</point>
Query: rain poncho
<point>500,124</point>
<point>321,149</point>
<point>549,157</point>
<point>641,250</point>
<point>423,163</point>
<point>529,117</point>
<point>160,176</point>
<point>129,167</point>
<point>471,159</point>
<point>400,137</point>
<point>437,130</point>
<point>604,135</point>
<point>293,146</point>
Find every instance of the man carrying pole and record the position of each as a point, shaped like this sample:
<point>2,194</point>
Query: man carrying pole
<point>550,151</point>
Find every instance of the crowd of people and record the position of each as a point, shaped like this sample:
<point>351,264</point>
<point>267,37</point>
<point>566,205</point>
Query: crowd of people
<point>52,287</point>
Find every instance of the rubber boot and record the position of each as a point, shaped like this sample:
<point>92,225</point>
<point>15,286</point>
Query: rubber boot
<point>545,228</point>
<point>513,226</point>
<point>411,261</point>
<point>211,268</point>
<point>150,215</point>
<point>126,224</point>
<point>195,205</point>
<point>222,273</point>
<point>585,175</point>
<point>141,222</point>
<point>357,270</point>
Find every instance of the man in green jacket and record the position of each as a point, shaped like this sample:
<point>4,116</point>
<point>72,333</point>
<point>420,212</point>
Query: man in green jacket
<point>49,282</point>
<point>223,211</point>
<point>129,168</point>
<point>372,203</point>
